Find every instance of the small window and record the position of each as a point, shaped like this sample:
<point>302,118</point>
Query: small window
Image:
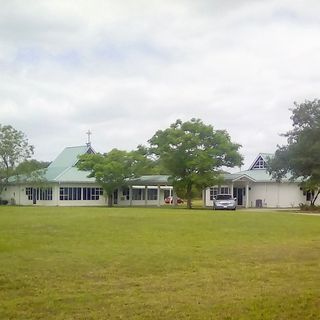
<point>92,193</point>
<point>138,194</point>
<point>309,195</point>
<point>213,192</point>
<point>126,193</point>
<point>152,194</point>
<point>224,190</point>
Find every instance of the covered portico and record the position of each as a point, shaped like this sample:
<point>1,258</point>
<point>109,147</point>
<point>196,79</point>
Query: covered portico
<point>240,186</point>
<point>145,191</point>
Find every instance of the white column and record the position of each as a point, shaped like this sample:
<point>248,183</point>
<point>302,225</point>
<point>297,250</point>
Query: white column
<point>145,195</point>
<point>247,195</point>
<point>57,193</point>
<point>203,198</point>
<point>130,195</point>
<point>231,190</point>
<point>158,196</point>
<point>19,201</point>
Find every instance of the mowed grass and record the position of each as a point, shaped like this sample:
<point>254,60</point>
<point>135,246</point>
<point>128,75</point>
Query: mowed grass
<point>149,263</point>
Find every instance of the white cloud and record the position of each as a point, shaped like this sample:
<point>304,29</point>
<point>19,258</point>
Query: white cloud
<point>125,69</point>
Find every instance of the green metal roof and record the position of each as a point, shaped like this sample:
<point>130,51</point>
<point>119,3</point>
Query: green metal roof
<point>63,169</point>
<point>257,175</point>
<point>161,180</point>
<point>69,157</point>
<point>73,174</point>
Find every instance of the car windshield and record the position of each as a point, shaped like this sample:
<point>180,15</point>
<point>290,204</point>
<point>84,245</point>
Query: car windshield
<point>223,197</point>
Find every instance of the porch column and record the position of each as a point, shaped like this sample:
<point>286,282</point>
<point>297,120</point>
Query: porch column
<point>130,195</point>
<point>231,189</point>
<point>247,195</point>
<point>158,196</point>
<point>145,195</point>
<point>203,198</point>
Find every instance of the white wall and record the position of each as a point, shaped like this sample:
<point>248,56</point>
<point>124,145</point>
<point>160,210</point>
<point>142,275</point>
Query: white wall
<point>272,194</point>
<point>276,195</point>
<point>18,193</point>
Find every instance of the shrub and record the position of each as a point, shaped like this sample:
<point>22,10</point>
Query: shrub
<point>307,207</point>
<point>3,202</point>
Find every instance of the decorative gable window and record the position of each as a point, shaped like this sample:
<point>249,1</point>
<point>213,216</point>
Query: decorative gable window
<point>259,164</point>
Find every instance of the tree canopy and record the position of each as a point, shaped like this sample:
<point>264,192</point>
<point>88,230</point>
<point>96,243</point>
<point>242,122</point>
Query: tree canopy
<point>14,149</point>
<point>112,170</point>
<point>31,171</point>
<point>301,156</point>
<point>193,153</point>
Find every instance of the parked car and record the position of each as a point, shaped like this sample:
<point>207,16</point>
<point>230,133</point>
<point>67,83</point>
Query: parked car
<point>224,201</point>
<point>170,200</point>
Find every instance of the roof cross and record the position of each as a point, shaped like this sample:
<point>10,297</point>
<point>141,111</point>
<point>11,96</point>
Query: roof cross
<point>89,133</point>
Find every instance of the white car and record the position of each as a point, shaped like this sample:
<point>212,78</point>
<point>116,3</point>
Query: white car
<point>224,201</point>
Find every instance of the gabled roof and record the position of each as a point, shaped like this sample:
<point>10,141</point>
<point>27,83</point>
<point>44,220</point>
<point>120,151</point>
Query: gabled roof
<point>63,168</point>
<point>256,174</point>
<point>65,163</point>
<point>69,156</point>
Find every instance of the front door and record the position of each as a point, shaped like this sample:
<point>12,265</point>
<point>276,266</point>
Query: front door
<point>238,192</point>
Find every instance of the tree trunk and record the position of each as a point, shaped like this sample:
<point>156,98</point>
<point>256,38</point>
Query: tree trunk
<point>110,202</point>
<point>189,196</point>
<point>314,199</point>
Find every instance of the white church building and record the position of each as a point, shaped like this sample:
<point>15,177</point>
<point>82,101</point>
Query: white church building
<point>65,185</point>
<point>256,188</point>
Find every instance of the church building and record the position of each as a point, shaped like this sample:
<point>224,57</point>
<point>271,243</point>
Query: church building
<point>65,185</point>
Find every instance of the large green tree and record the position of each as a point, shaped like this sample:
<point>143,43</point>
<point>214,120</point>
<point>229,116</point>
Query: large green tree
<point>112,170</point>
<point>31,172</point>
<point>301,156</point>
<point>14,149</point>
<point>193,153</point>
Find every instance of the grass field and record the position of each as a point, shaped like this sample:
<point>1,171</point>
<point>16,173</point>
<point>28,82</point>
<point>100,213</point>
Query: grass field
<point>142,263</point>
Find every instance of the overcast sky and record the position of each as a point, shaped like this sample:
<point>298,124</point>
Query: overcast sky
<point>124,69</point>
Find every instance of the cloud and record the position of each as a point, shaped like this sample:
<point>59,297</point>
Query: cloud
<point>126,69</point>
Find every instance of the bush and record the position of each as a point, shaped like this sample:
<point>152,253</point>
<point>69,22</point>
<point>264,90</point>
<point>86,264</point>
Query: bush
<point>3,202</point>
<point>308,207</point>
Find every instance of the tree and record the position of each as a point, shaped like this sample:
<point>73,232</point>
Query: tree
<point>301,156</point>
<point>31,171</point>
<point>193,154</point>
<point>111,170</point>
<point>142,163</point>
<point>14,148</point>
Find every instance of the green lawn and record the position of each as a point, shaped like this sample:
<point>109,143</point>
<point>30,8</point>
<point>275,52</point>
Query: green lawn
<point>142,263</point>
